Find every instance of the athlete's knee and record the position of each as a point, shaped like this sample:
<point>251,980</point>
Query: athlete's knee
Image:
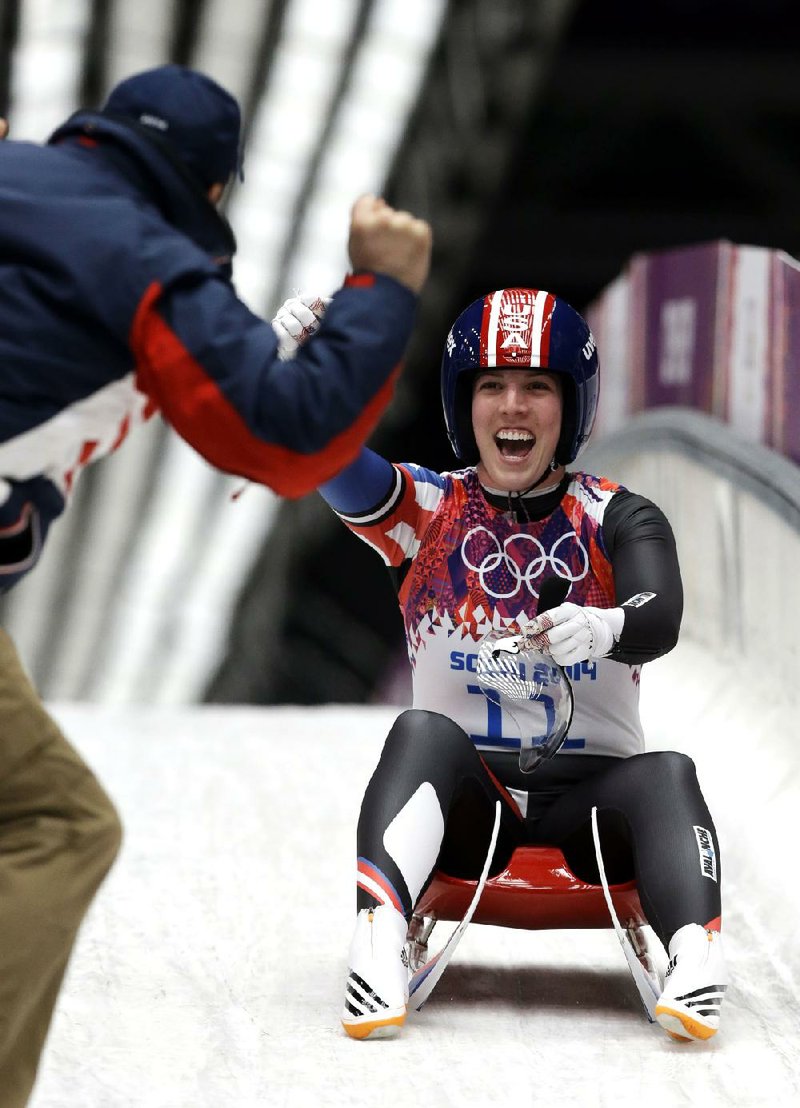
<point>427,731</point>
<point>662,777</point>
<point>670,766</point>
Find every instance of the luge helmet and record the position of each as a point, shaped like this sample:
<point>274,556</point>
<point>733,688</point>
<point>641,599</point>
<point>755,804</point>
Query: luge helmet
<point>521,328</point>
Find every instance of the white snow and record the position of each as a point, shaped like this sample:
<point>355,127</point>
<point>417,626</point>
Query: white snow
<point>209,973</point>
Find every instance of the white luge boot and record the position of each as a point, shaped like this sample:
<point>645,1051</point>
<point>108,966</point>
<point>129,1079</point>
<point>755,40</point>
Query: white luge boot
<point>376,994</point>
<point>695,985</point>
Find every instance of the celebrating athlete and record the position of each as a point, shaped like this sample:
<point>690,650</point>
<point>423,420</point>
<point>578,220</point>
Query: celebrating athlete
<point>469,551</point>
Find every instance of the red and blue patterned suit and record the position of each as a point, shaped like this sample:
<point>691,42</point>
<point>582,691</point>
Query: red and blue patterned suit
<point>474,568</point>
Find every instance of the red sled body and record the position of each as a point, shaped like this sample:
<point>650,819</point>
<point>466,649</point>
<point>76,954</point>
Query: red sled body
<point>536,891</point>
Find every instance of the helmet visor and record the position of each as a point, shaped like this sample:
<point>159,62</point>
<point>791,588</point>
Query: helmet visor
<point>532,690</point>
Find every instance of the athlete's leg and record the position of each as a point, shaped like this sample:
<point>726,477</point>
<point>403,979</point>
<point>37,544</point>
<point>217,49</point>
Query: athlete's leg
<point>59,835</point>
<point>430,798</point>
<point>430,803</point>
<point>654,826</point>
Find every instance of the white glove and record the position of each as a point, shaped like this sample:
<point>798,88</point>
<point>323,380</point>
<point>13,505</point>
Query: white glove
<point>572,634</point>
<point>296,321</point>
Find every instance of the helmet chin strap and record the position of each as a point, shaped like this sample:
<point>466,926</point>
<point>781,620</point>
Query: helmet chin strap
<point>519,496</point>
<point>551,468</point>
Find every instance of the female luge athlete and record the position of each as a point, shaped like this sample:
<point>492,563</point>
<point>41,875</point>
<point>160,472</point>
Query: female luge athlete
<point>470,550</point>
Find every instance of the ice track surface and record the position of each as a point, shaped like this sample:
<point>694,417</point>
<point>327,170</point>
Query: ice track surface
<point>209,972</point>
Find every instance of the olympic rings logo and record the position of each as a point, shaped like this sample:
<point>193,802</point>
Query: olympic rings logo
<point>498,560</point>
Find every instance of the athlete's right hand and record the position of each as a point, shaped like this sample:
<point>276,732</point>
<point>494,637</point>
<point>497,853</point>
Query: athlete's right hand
<point>3,128</point>
<point>383,240</point>
<point>296,321</point>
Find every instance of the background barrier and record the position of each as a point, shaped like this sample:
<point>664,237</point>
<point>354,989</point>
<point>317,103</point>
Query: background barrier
<point>729,694</point>
<point>713,327</point>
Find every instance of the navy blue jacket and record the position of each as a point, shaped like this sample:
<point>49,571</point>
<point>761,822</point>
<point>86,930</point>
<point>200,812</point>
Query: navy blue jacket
<point>116,302</point>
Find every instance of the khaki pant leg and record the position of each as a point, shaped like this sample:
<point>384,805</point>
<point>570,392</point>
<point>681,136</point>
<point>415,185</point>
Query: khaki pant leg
<point>59,835</point>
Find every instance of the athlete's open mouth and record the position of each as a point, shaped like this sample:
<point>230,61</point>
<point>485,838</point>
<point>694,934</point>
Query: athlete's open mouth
<point>514,444</point>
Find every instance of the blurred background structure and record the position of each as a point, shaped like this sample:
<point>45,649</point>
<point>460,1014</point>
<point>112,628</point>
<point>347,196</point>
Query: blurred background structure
<point>550,142</point>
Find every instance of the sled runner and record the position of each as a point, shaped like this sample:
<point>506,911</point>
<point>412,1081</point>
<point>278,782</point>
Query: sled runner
<point>425,974</point>
<point>538,891</point>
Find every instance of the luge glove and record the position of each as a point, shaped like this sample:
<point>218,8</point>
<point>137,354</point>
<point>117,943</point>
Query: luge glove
<point>572,634</point>
<point>296,321</point>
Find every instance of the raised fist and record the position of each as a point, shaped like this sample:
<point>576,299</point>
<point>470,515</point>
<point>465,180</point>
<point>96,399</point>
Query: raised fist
<point>383,240</point>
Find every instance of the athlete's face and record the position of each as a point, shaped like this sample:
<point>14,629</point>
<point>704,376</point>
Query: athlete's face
<point>516,417</point>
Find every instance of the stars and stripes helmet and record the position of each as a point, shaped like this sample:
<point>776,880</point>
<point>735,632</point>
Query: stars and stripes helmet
<point>523,329</point>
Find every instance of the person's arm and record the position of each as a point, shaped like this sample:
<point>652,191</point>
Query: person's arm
<point>364,488</point>
<point>384,504</point>
<point>647,578</point>
<point>645,622</point>
<point>213,367</point>
<point>388,506</point>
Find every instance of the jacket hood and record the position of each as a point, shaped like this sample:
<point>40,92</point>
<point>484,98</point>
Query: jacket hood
<point>149,164</point>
